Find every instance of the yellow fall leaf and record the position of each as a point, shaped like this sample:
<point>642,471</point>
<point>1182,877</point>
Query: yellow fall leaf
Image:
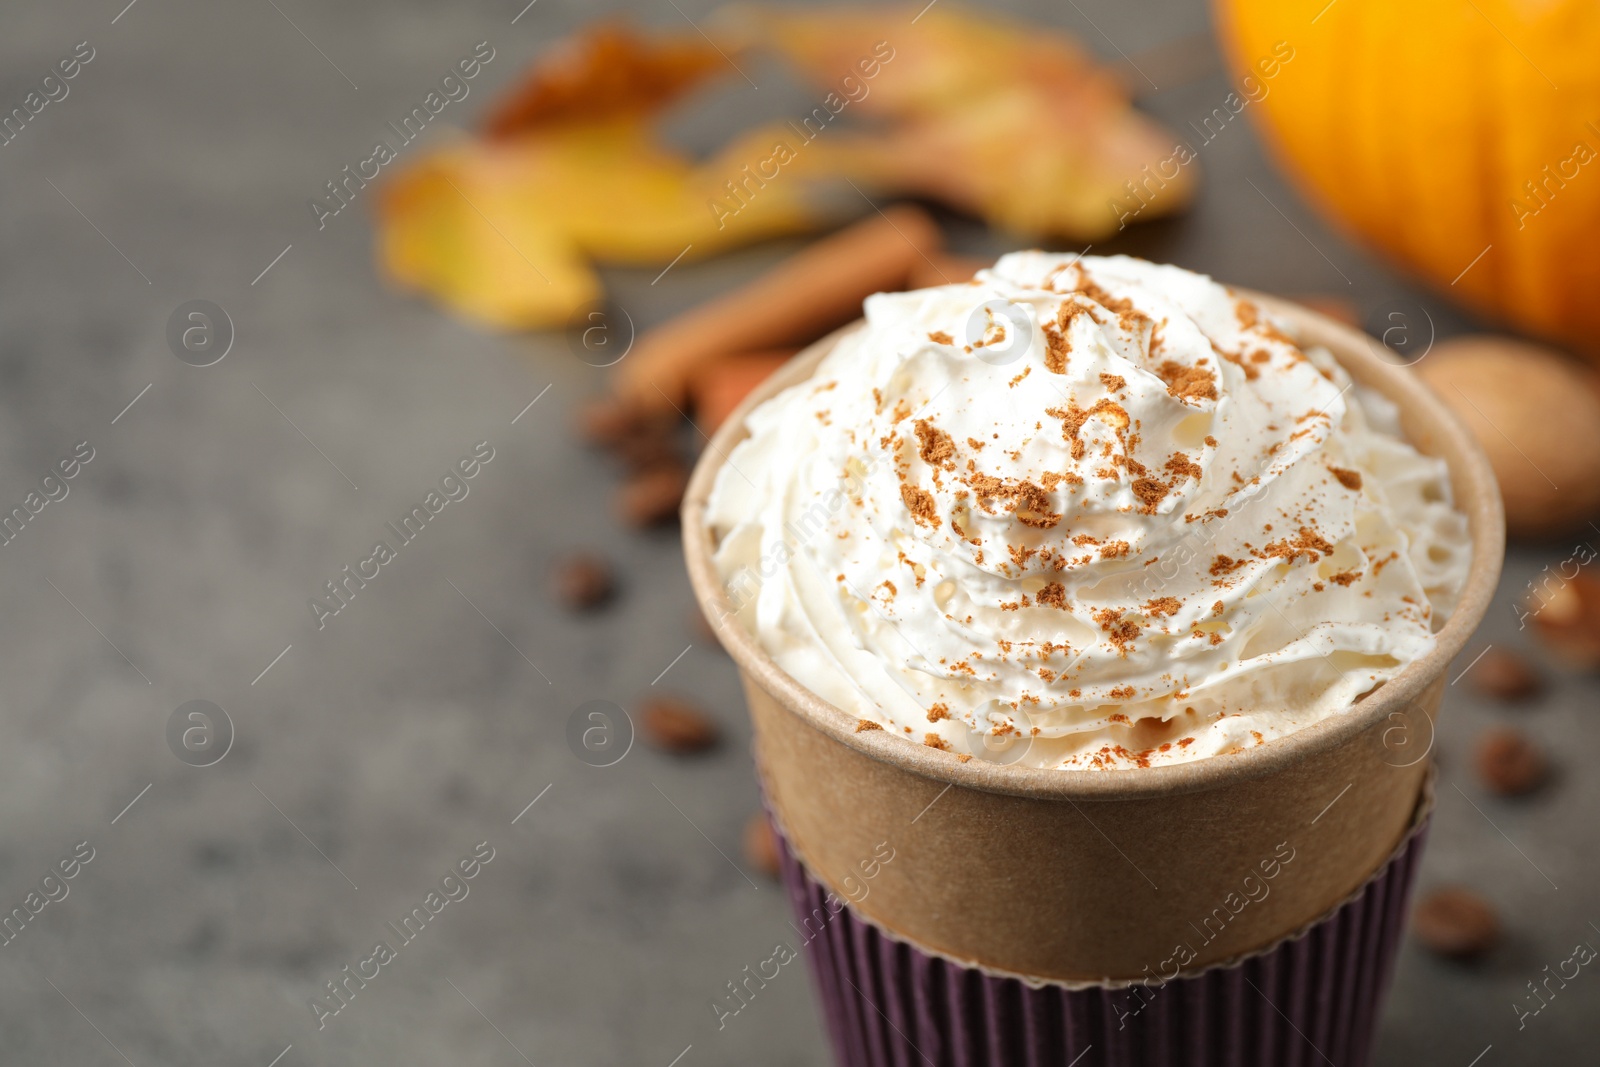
<point>506,233</point>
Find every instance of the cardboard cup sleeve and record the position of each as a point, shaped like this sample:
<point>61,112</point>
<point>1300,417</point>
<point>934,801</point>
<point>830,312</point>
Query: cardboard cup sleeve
<point>1311,998</point>
<point>998,914</point>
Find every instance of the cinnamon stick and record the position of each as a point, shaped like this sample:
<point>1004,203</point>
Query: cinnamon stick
<point>722,386</point>
<point>796,302</point>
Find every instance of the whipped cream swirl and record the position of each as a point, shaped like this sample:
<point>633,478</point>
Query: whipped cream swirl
<point>1084,513</point>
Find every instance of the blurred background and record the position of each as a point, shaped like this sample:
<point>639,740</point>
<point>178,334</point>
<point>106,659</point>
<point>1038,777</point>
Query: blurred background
<point>239,344</point>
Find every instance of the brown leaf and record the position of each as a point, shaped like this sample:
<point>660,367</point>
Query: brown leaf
<point>608,71</point>
<point>1011,122</point>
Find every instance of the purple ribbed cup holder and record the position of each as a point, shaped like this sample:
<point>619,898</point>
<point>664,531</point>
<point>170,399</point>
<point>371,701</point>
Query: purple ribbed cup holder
<point>1311,999</point>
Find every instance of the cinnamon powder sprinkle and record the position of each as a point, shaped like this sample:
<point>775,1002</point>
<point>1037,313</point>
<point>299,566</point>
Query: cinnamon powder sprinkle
<point>1250,372</point>
<point>935,446</point>
<point>1056,345</point>
<point>1166,605</point>
<point>1073,417</point>
<point>1344,577</point>
<point>867,724</point>
<point>1113,382</point>
<point>1225,565</point>
<point>1150,493</point>
<point>938,711</point>
<point>1119,632</point>
<point>921,504</point>
<point>1182,466</point>
<point>1306,543</point>
<point>1033,507</point>
<point>935,741</point>
<point>1122,307</point>
<point>1187,383</point>
<point>1347,478</point>
<point>939,337</point>
<point>1056,349</point>
<point>1053,595</point>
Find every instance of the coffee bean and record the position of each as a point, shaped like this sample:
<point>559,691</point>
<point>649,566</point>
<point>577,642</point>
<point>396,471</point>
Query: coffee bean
<point>1508,763</point>
<point>761,845</point>
<point>1455,922</point>
<point>1504,675</point>
<point>674,725</point>
<point>582,581</point>
<point>652,496</point>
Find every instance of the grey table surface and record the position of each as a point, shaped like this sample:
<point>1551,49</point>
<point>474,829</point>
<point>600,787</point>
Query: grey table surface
<point>373,754</point>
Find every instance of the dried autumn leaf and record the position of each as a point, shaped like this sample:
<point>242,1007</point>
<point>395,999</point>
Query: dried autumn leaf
<point>609,71</point>
<point>638,202</point>
<point>1010,122</point>
<point>457,225</point>
<point>505,233</point>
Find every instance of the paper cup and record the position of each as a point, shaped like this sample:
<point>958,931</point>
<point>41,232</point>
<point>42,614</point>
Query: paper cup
<point>1082,879</point>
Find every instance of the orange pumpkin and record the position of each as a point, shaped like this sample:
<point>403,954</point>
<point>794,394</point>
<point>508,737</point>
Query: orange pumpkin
<point>1462,137</point>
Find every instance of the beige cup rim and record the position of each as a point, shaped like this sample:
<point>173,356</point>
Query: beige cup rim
<point>1425,417</point>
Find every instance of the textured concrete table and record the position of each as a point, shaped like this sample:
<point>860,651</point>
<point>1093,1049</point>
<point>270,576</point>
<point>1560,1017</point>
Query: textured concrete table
<point>371,756</point>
